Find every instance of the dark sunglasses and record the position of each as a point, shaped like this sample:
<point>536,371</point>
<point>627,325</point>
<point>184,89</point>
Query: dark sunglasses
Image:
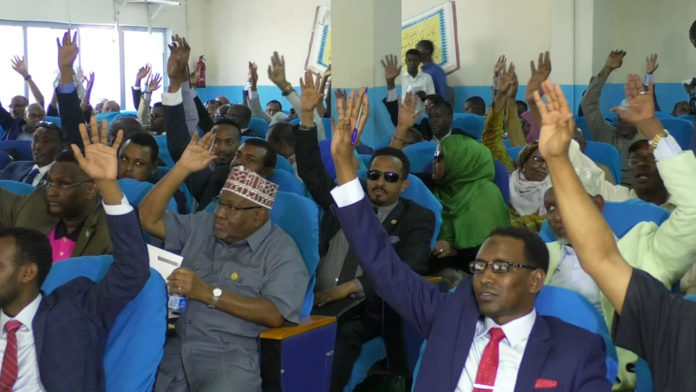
<point>391,177</point>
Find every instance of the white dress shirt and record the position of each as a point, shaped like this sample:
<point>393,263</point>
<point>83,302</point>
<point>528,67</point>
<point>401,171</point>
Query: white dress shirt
<point>569,274</point>
<point>421,82</point>
<point>511,351</point>
<point>28,379</point>
<point>42,172</point>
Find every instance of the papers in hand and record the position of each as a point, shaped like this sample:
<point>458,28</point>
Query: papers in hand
<point>162,261</point>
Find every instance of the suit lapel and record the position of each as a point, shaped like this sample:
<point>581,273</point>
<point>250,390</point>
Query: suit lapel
<point>39,324</point>
<point>465,336</point>
<point>535,354</point>
<point>392,220</point>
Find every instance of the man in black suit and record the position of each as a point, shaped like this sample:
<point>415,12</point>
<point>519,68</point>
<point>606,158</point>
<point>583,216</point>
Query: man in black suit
<point>67,330</point>
<point>339,280</point>
<point>45,146</point>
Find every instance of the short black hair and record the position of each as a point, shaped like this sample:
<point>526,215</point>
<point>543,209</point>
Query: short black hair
<point>270,159</point>
<point>522,104</point>
<point>280,105</point>
<point>281,132</point>
<point>31,247</point>
<point>637,145</point>
<point>433,97</point>
<point>427,45</point>
<point>479,105</point>
<point>443,104</point>
<point>535,252</point>
<point>396,153</point>
<point>67,156</point>
<point>413,52</point>
<point>128,124</point>
<point>157,104</point>
<point>232,123</point>
<point>144,140</point>
<point>54,128</point>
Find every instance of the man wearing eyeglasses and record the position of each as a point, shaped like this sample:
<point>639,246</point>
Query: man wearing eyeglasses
<point>342,289</point>
<point>45,146</point>
<point>485,335</point>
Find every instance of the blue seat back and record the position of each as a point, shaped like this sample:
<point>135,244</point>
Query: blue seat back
<point>573,308</point>
<point>53,119</point>
<point>326,159</point>
<point>514,152</point>
<point>282,163</point>
<point>4,159</point>
<point>621,217</point>
<point>327,127</point>
<point>287,182</point>
<point>606,154</point>
<point>110,117</point>
<point>471,124</point>
<point>299,217</point>
<point>682,130</point>
<point>17,187</point>
<point>21,149</point>
<point>258,126</point>
<point>581,123</point>
<point>135,344</point>
<point>164,154</point>
<point>136,191</point>
<point>502,180</point>
<point>161,172</point>
<point>420,155</point>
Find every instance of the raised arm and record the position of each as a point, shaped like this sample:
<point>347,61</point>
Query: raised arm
<point>492,136</point>
<point>136,89</point>
<point>540,72</point>
<point>597,125</point>
<point>588,232</point>
<point>325,79</point>
<point>254,101</point>
<point>130,270</point>
<point>407,117</point>
<point>20,66</point>
<point>513,126</point>
<point>178,136</point>
<point>71,115</point>
<point>392,70</point>
<point>85,104</point>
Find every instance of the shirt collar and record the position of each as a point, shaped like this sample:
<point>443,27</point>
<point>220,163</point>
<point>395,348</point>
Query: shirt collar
<point>256,238</point>
<point>435,139</point>
<point>62,231</point>
<point>384,211</point>
<point>43,169</point>
<point>25,316</point>
<point>516,331</point>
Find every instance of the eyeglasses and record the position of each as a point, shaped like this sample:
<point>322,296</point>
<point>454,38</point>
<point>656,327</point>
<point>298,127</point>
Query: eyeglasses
<point>637,160</point>
<point>438,156</point>
<point>391,177</point>
<point>497,266</point>
<point>538,160</point>
<point>62,187</point>
<point>229,207</point>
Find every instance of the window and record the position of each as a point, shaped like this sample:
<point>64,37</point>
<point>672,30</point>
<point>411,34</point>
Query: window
<point>113,55</point>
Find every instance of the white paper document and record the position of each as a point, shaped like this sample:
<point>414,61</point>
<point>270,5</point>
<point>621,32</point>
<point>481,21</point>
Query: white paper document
<point>163,261</point>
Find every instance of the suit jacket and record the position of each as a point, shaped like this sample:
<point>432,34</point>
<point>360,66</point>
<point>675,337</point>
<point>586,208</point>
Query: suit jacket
<point>16,171</point>
<point>71,116</point>
<point>423,126</point>
<point>31,211</point>
<point>666,251</point>
<point>409,224</point>
<point>72,324</point>
<point>557,351</point>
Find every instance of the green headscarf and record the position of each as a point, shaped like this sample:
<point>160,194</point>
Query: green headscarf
<point>472,205</point>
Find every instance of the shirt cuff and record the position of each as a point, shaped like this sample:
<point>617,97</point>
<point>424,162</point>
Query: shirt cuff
<point>392,95</point>
<point>136,88</point>
<point>66,88</point>
<point>172,99</point>
<point>118,209</point>
<point>349,193</point>
<point>361,289</point>
<point>667,148</point>
<point>253,95</point>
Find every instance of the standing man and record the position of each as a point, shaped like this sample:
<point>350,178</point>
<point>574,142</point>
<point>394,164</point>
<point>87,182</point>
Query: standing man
<point>426,49</point>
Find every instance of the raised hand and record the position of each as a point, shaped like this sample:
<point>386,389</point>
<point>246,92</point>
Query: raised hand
<point>20,66</point>
<point>142,73</point>
<point>408,113</point>
<point>253,75</point>
<point>499,65</point>
<point>67,51</point>
<point>507,80</point>
<point>540,72</point>
<point>197,154</point>
<point>177,63</point>
<point>651,63</point>
<point>615,59</point>
<point>90,81</point>
<point>311,95</point>
<point>99,161</point>
<point>154,82</point>
<point>348,111</point>
<point>276,71</point>
<point>640,101</point>
<point>392,68</point>
<point>556,129</point>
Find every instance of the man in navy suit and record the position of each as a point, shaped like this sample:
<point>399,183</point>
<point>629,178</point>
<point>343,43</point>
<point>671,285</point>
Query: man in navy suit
<point>56,342</point>
<point>487,329</point>
<point>45,146</point>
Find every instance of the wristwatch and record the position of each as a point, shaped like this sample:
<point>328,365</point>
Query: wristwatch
<point>217,293</point>
<point>656,140</point>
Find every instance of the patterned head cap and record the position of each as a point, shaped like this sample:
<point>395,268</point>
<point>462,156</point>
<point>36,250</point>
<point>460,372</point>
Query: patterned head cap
<point>251,186</point>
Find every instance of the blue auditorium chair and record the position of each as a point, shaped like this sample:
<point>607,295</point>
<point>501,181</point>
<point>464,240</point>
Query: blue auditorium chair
<point>420,155</point>
<point>136,191</point>
<point>606,154</point>
<point>287,182</point>
<point>282,163</point>
<point>135,344</point>
<point>20,150</point>
<point>54,120</point>
<point>164,154</point>
<point>502,180</point>
<point>681,130</point>
<point>514,152</point>
<point>17,187</point>
<point>259,127</point>
<point>471,124</point>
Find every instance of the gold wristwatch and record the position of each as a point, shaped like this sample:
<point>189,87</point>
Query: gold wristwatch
<point>655,140</point>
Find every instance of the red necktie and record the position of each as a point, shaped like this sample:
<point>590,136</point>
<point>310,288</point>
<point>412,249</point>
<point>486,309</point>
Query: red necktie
<point>488,367</point>
<point>8,374</point>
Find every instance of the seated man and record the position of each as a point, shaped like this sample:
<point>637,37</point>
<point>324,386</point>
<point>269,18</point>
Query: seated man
<point>21,121</point>
<point>274,110</point>
<point>475,105</point>
<point>47,143</point>
<point>240,273</point>
<point>56,342</point>
<point>241,115</point>
<point>650,322</point>
<point>281,137</point>
<point>486,335</point>
<point>338,276</point>
<point>665,252</point>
